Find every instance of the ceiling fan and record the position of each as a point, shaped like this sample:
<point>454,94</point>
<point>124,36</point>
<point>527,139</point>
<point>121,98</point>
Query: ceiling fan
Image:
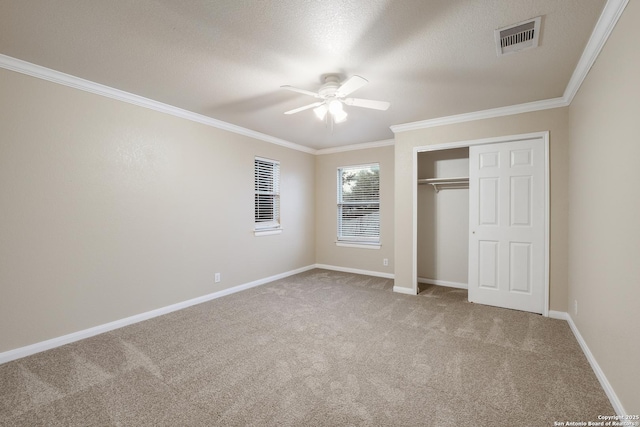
<point>333,96</point>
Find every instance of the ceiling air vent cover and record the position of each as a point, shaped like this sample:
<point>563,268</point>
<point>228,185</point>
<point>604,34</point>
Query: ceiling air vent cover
<point>517,37</point>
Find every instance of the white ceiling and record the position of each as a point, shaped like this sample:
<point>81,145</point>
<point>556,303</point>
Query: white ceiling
<point>226,59</point>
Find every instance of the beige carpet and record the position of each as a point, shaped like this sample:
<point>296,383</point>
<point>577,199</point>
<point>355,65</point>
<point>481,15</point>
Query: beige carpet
<point>319,348</point>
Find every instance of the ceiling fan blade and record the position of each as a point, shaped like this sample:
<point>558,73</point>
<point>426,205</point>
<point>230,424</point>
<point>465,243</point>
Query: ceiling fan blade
<point>305,92</point>
<point>352,84</point>
<point>368,103</point>
<point>306,107</point>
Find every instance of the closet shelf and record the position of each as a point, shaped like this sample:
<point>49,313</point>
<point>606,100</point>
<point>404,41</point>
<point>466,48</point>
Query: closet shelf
<point>446,183</point>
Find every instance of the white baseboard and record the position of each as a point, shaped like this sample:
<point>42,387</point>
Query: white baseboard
<point>21,352</point>
<point>402,290</point>
<point>561,315</point>
<point>604,382</point>
<point>356,271</point>
<point>367,273</point>
<point>443,283</point>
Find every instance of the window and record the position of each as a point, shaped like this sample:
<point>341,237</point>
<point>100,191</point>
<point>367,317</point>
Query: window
<point>267,194</point>
<point>359,204</point>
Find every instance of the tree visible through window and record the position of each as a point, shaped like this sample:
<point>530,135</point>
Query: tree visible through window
<point>359,203</point>
<point>267,194</point>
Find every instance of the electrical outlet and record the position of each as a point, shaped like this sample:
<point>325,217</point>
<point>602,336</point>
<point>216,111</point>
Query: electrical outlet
<point>217,278</point>
<point>385,262</point>
<point>575,306</point>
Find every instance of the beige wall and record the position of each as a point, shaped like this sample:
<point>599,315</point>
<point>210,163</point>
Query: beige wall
<point>555,121</point>
<point>326,214</point>
<point>108,210</point>
<point>443,218</point>
<point>604,215</point>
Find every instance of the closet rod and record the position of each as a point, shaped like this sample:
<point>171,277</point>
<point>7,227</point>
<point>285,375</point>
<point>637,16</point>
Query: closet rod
<point>446,183</point>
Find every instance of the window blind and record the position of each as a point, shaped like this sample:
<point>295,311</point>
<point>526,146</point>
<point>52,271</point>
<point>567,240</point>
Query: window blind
<point>267,193</point>
<point>359,203</point>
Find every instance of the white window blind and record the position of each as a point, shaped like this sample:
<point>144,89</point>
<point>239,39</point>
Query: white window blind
<point>267,194</point>
<point>359,204</point>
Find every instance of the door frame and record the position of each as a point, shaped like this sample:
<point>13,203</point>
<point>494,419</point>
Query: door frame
<point>468,143</point>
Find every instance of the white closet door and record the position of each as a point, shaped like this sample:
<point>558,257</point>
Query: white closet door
<point>506,225</point>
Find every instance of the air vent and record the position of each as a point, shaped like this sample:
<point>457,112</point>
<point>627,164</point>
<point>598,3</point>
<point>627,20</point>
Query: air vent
<point>518,37</point>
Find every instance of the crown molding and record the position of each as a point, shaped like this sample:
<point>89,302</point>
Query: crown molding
<point>606,23</point>
<point>352,147</point>
<point>484,114</point>
<point>608,19</point>
<point>20,66</point>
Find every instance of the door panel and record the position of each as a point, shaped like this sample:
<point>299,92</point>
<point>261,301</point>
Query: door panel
<point>507,224</point>
<point>520,267</point>
<point>521,158</point>
<point>489,159</point>
<point>521,201</point>
<point>488,265</point>
<point>488,201</point>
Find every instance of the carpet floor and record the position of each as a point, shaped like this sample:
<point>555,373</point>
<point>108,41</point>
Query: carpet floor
<point>321,348</point>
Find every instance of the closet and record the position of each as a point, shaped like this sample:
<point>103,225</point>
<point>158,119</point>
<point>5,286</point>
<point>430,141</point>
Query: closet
<point>443,217</point>
<point>482,220</point>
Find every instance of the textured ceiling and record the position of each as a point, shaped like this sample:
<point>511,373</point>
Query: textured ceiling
<point>227,59</point>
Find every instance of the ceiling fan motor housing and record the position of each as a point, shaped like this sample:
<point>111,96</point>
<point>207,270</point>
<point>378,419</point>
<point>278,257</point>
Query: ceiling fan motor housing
<point>329,88</point>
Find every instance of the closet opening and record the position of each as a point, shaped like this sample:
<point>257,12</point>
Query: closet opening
<point>443,218</point>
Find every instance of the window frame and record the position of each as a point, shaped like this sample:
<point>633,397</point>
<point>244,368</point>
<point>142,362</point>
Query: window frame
<point>266,186</point>
<point>368,242</point>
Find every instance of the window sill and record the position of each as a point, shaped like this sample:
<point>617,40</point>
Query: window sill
<point>361,245</point>
<point>267,232</point>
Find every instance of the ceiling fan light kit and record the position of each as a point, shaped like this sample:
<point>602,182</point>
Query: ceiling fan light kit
<point>321,111</point>
<point>335,106</point>
<point>334,97</point>
<point>339,117</point>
